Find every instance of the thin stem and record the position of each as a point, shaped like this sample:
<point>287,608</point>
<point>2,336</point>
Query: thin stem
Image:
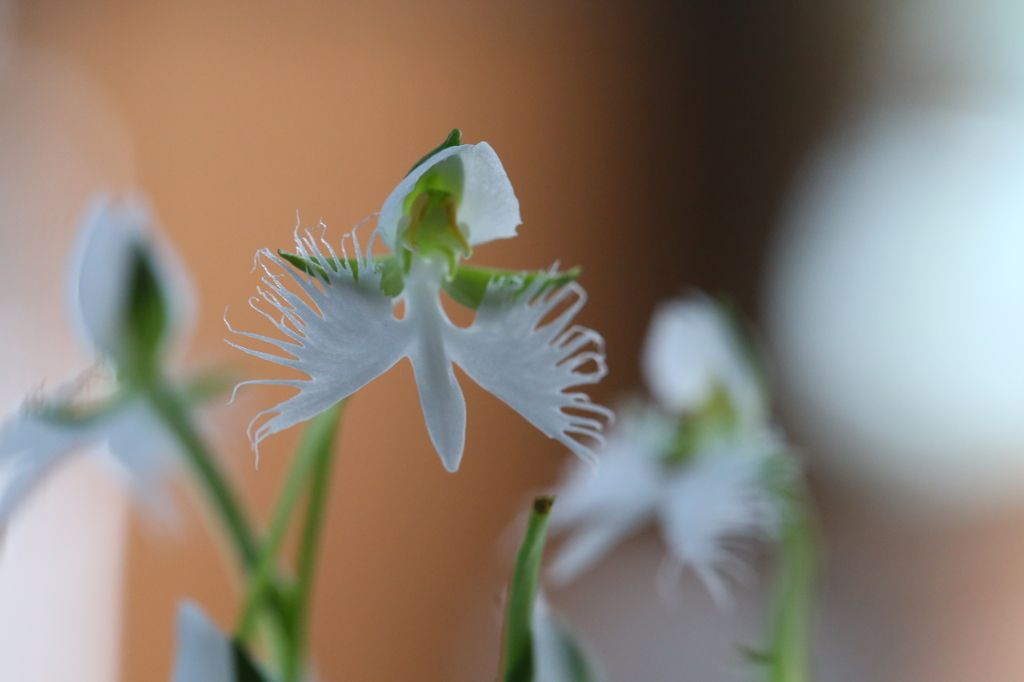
<point>322,433</point>
<point>518,663</point>
<point>316,437</point>
<point>219,492</point>
<point>788,659</point>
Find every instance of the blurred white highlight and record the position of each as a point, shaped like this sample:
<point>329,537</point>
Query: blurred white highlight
<point>896,300</point>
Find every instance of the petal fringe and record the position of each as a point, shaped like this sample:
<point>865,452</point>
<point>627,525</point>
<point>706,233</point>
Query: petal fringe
<point>513,351</point>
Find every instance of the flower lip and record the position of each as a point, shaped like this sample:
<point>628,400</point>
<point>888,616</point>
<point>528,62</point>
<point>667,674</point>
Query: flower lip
<point>487,210</point>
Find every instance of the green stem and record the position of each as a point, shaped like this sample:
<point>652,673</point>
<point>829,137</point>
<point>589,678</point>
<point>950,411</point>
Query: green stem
<point>175,415</point>
<point>788,659</point>
<point>317,437</point>
<point>518,659</point>
<point>321,438</point>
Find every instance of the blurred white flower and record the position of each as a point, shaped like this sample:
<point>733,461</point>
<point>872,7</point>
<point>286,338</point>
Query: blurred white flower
<point>698,464</point>
<point>522,346</point>
<point>117,249</point>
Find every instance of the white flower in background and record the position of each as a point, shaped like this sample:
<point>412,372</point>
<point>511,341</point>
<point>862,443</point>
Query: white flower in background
<point>205,654</point>
<point>126,295</point>
<point>698,464</point>
<point>522,346</point>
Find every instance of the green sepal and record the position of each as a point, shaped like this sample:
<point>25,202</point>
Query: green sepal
<point>245,669</point>
<point>518,659</point>
<point>392,276</point>
<point>315,266</point>
<point>469,284</point>
<point>144,319</point>
<point>454,139</point>
<point>392,281</point>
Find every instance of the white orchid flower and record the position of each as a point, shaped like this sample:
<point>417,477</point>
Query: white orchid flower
<point>699,464</point>
<point>126,298</point>
<point>522,345</point>
<point>706,508</point>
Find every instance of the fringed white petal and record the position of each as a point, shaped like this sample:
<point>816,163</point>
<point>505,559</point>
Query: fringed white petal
<point>346,337</point>
<point>609,502</point>
<point>113,229</point>
<point>513,351</point>
<point>31,446</point>
<point>718,504</point>
<point>204,654</point>
<point>29,450</point>
<point>690,347</point>
<point>489,208</point>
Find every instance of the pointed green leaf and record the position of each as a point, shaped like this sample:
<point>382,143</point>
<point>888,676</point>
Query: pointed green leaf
<point>469,284</point>
<point>518,663</point>
<point>454,139</point>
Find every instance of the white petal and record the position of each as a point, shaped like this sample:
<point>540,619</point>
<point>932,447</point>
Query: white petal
<point>557,657</point>
<point>29,450</point>
<point>691,345</point>
<point>529,365</point>
<point>204,654</point>
<point>589,544</point>
<point>144,451</point>
<point>31,446</point>
<point>713,506</point>
<point>345,339</point>
<point>627,479</point>
<point>489,208</point>
<point>613,500</point>
<point>444,406</point>
<point>111,232</point>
